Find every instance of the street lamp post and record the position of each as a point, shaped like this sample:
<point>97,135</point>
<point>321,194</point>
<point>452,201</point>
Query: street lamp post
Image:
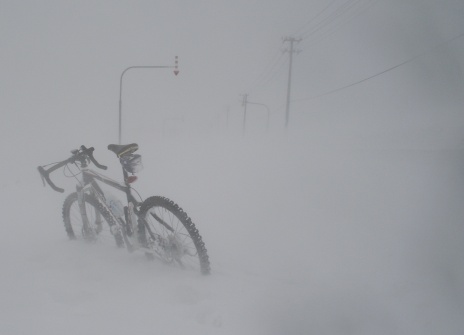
<point>176,72</point>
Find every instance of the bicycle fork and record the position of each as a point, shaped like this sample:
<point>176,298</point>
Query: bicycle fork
<point>87,231</point>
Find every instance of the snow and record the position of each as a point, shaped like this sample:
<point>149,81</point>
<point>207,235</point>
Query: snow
<point>350,222</point>
<point>304,237</point>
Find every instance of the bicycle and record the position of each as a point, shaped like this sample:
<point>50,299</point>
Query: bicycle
<point>156,226</point>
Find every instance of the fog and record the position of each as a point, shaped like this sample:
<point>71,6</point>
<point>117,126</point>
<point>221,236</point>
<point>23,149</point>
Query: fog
<point>348,221</point>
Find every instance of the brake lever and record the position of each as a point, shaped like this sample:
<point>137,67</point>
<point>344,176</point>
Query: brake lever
<point>93,160</point>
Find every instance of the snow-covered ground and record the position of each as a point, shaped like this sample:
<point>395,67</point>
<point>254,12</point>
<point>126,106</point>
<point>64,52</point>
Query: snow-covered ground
<point>350,223</point>
<point>304,237</point>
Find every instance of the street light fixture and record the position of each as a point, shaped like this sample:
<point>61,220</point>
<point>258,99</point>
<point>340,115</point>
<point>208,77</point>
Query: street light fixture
<point>268,112</point>
<point>176,72</point>
<point>245,103</point>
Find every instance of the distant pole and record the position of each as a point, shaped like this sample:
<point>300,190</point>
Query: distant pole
<point>176,72</point>
<point>244,104</point>
<point>291,50</point>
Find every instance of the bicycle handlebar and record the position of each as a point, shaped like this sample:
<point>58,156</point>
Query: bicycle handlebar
<point>89,153</point>
<point>78,155</point>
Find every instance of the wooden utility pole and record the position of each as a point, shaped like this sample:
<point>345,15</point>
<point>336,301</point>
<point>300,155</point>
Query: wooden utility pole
<point>244,104</point>
<point>291,50</point>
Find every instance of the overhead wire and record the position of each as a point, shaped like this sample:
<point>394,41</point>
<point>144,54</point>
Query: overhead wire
<point>268,71</point>
<point>275,74</point>
<point>337,26</point>
<point>296,33</point>
<point>332,17</point>
<point>384,71</point>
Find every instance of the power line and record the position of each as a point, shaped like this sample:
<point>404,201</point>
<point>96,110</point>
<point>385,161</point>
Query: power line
<point>358,11</point>
<point>314,18</point>
<point>275,74</point>
<point>268,73</point>
<point>339,12</point>
<point>384,71</point>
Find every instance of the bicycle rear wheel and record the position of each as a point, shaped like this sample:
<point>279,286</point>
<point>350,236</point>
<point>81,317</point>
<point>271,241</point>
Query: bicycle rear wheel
<point>172,235</point>
<point>100,221</point>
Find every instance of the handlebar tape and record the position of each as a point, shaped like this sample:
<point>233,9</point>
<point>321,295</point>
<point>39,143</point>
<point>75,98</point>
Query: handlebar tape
<point>98,165</point>
<point>45,176</point>
<point>89,152</point>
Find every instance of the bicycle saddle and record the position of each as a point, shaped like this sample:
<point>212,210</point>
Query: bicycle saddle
<point>123,150</point>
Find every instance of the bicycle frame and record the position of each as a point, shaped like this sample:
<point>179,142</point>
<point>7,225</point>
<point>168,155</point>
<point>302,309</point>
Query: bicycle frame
<point>89,184</point>
<point>90,177</point>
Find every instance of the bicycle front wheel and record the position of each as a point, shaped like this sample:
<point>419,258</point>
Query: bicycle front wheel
<point>172,235</point>
<point>99,221</point>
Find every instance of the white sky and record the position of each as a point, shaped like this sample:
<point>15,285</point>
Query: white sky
<point>61,62</point>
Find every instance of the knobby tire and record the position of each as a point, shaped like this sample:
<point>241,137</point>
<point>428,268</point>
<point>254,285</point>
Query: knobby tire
<point>92,201</point>
<point>172,211</point>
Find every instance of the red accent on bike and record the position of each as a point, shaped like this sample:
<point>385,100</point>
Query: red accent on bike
<point>131,179</point>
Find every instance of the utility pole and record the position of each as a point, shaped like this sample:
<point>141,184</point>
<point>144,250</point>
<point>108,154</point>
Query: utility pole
<point>291,50</point>
<point>244,104</point>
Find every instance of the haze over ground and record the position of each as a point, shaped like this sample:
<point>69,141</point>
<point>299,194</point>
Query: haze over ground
<point>349,221</point>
